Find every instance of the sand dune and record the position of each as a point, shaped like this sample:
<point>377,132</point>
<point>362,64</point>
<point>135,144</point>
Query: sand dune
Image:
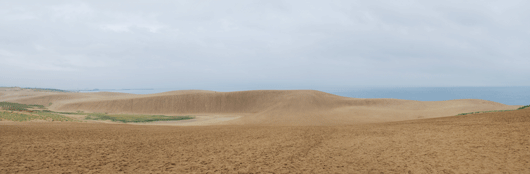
<point>368,136</point>
<point>260,107</point>
<point>479,143</point>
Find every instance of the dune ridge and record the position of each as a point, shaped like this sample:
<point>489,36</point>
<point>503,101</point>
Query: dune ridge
<point>263,107</point>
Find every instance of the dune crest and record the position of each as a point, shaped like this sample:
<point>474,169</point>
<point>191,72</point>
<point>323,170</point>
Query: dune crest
<point>260,107</point>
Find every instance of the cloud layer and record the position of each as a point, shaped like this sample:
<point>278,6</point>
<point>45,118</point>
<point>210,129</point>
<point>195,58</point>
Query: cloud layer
<point>263,44</point>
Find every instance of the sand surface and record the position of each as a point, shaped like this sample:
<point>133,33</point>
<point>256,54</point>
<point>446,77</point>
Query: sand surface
<point>482,143</point>
<point>261,107</point>
<point>267,132</point>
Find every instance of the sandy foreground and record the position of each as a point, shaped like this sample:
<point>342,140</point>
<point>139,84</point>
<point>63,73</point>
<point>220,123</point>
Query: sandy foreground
<point>254,139</point>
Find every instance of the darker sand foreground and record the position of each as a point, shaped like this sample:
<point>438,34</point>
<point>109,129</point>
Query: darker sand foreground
<point>481,143</point>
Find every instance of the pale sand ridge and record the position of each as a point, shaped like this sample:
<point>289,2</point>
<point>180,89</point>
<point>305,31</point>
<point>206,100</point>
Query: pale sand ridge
<point>259,107</point>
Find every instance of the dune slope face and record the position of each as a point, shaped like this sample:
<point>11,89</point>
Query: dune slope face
<point>278,107</point>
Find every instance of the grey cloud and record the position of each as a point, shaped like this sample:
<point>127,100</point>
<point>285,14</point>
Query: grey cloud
<point>256,44</point>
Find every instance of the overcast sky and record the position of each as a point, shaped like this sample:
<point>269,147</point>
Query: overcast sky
<point>266,44</point>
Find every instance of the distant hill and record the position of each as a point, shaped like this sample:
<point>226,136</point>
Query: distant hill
<point>258,107</point>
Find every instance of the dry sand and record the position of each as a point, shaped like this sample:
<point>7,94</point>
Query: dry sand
<point>481,143</point>
<point>268,132</point>
<point>262,107</point>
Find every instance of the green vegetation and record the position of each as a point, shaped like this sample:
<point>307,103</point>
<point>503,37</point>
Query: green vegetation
<point>30,112</point>
<point>126,118</point>
<point>4,115</point>
<point>48,89</point>
<point>69,113</point>
<point>17,106</point>
<point>524,107</point>
<point>483,112</point>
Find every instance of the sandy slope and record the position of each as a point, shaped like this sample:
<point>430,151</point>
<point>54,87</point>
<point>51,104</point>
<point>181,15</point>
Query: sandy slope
<point>480,143</point>
<point>261,107</point>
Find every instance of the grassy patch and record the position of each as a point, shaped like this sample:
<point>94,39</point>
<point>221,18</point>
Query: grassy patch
<point>524,107</point>
<point>483,112</point>
<point>48,89</point>
<point>25,112</point>
<point>38,115</point>
<point>69,113</point>
<point>17,106</point>
<point>29,113</point>
<point>127,118</point>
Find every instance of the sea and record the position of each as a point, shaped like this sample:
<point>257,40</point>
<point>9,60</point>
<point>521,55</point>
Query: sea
<point>505,95</point>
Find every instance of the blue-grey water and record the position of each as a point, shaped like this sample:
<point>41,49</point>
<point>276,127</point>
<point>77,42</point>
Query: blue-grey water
<point>505,95</point>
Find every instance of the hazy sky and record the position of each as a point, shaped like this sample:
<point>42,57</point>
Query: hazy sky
<point>263,44</point>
